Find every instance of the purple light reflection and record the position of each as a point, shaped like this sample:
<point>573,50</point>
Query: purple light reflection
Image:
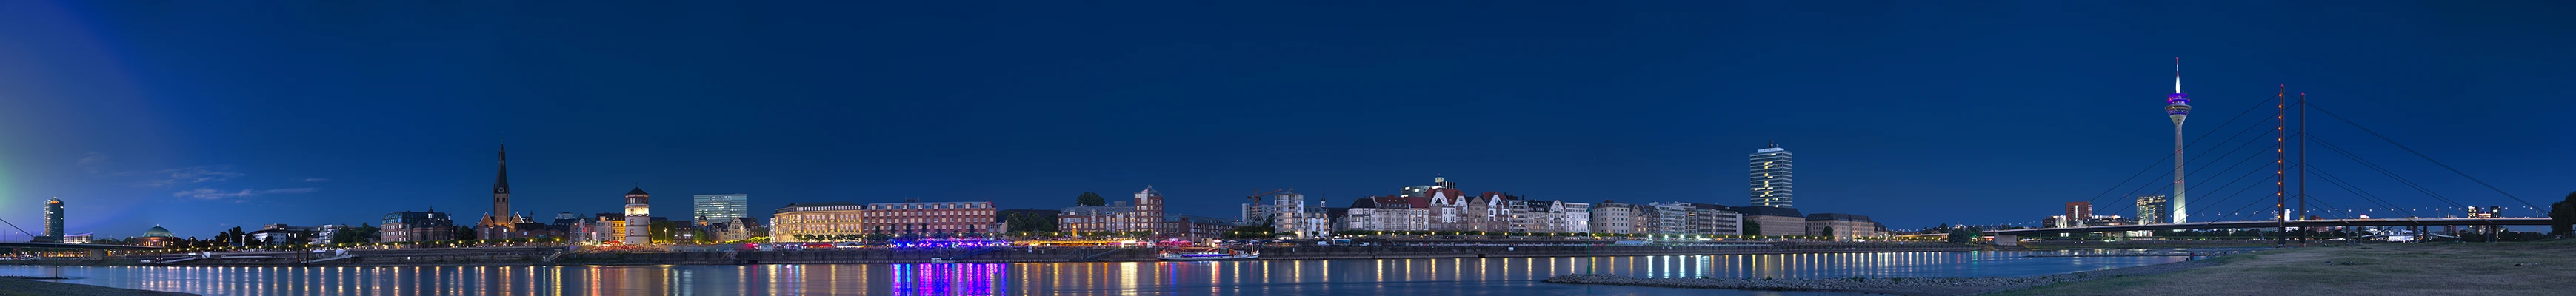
<point>947,279</point>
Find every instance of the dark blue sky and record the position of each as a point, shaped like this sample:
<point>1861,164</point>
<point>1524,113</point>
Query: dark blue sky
<point>200,116</point>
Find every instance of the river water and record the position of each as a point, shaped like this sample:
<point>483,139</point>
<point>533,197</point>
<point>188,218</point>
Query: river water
<point>1408,277</point>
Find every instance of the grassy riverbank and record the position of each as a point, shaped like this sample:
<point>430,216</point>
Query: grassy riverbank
<point>13,286</point>
<point>2147,244</point>
<point>2383,269</point>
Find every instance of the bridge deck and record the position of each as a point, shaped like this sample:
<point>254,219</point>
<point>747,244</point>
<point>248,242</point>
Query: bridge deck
<point>2293,223</point>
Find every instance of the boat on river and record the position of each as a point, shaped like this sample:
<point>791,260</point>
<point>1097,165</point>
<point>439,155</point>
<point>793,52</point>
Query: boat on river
<point>1207,254</point>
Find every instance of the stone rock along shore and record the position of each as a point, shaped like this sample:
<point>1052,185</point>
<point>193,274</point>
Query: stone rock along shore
<point>1900,286</point>
<point>16,285</point>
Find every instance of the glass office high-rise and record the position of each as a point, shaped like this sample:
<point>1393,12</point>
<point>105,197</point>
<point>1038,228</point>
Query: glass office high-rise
<point>711,208</point>
<point>2154,209</point>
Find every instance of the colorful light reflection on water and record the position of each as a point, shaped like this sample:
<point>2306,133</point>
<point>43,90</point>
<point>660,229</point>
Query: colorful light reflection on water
<point>1410,277</point>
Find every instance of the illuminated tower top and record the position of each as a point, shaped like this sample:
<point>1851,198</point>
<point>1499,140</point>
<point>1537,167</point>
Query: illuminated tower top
<point>2177,105</point>
<point>637,197</point>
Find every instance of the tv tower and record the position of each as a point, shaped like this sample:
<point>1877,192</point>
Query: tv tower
<point>2178,107</point>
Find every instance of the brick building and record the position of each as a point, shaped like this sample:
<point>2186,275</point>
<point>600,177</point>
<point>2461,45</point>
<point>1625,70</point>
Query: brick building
<point>955,217</point>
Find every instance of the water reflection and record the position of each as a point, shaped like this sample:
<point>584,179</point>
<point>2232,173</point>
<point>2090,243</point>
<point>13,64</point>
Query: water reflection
<point>1408,277</point>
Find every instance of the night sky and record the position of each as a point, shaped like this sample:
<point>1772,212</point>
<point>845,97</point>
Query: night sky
<point>200,116</point>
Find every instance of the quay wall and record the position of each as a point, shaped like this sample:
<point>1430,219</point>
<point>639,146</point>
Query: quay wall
<point>523,256</point>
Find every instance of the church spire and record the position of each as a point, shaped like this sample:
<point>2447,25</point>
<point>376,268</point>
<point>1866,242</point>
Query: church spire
<point>501,181</point>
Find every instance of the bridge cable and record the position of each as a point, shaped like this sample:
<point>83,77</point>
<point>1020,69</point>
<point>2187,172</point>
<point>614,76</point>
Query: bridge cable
<point>2248,204</point>
<point>2231,196</point>
<point>2134,176</point>
<point>2239,178</point>
<point>2384,171</point>
<point>2169,157</point>
<point>2426,157</point>
<point>2223,187</point>
<point>2213,161</point>
<point>2364,194</point>
<point>2248,187</point>
<point>2203,168</point>
<point>20,230</point>
<point>2321,203</point>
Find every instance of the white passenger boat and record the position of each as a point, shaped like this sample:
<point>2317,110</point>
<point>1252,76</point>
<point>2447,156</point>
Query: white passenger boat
<point>1207,254</point>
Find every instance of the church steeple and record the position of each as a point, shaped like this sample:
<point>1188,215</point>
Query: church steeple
<point>501,181</point>
<point>500,222</point>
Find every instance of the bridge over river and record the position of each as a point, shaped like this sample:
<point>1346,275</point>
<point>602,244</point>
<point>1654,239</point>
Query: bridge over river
<point>2006,237</point>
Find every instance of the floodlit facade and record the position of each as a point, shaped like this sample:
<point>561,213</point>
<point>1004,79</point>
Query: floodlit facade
<point>1614,217</point>
<point>823,218</point>
<point>1549,216</point>
<point>1488,212</point>
<point>1116,217</point>
<point>953,217</point>
<point>1843,226</point>
<point>1385,213</point>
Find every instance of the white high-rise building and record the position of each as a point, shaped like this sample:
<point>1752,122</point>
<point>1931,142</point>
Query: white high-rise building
<point>1292,218</point>
<point>1771,186</point>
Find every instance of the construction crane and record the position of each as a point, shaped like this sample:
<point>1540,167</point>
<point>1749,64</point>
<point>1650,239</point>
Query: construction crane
<point>1256,197</point>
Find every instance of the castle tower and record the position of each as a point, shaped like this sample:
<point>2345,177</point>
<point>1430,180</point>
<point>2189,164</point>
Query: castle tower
<point>639,216</point>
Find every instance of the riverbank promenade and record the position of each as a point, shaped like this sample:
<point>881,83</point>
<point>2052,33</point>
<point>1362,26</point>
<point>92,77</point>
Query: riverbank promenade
<point>558,255</point>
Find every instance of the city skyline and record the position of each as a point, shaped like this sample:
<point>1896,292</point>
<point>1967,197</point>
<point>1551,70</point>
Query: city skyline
<point>212,120</point>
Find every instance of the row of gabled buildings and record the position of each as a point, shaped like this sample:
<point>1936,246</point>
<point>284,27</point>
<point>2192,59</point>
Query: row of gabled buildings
<point>1442,207</point>
<point>1445,208</point>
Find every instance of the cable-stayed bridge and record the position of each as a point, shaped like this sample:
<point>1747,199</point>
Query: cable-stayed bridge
<point>2236,202</point>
